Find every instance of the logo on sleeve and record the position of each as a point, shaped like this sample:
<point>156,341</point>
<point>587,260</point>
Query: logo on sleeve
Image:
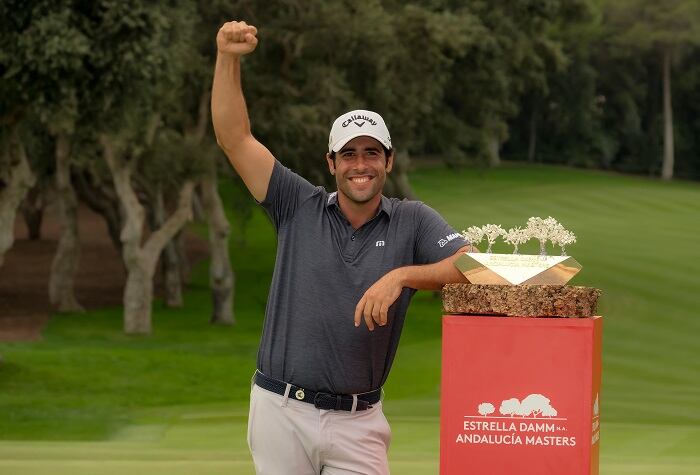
<point>448,238</point>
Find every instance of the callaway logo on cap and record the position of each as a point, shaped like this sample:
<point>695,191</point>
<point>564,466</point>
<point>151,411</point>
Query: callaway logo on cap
<point>356,124</point>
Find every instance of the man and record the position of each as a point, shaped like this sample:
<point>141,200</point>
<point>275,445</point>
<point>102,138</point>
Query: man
<point>347,266</point>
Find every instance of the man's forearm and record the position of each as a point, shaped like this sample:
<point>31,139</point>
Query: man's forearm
<point>375,303</point>
<point>228,109</point>
<point>430,276</point>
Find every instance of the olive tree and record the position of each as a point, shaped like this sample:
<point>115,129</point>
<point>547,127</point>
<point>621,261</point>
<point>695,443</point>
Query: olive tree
<point>137,60</point>
<point>16,98</point>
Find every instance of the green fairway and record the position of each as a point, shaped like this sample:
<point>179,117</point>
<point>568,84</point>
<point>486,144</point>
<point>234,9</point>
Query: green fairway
<point>88,399</point>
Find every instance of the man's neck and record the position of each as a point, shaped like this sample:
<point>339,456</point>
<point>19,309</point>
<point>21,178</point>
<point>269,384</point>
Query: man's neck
<point>359,213</point>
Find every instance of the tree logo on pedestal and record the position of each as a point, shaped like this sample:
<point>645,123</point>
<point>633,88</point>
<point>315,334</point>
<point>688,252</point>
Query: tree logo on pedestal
<point>530,421</point>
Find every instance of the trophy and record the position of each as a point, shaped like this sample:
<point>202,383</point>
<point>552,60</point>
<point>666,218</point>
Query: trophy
<point>516,268</point>
<point>521,284</point>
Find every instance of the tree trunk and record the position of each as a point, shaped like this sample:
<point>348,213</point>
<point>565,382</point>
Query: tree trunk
<point>494,146</point>
<point>141,260</point>
<point>169,258</point>
<point>667,165</point>
<point>137,305</point>
<point>65,261</point>
<point>198,208</point>
<point>159,239</point>
<point>221,276</point>
<point>532,142</point>
<point>172,276</point>
<point>16,178</point>
<point>33,212</point>
<point>184,263</point>
<point>138,295</point>
<point>399,176</point>
<point>103,202</point>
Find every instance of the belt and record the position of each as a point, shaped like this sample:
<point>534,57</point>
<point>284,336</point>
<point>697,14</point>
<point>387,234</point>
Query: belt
<point>327,401</point>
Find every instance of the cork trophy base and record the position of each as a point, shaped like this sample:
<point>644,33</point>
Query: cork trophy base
<point>520,300</point>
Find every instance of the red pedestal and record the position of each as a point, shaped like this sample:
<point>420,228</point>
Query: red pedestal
<point>520,395</point>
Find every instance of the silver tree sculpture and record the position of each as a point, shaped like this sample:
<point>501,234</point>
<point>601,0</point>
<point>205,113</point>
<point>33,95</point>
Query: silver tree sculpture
<point>492,232</point>
<point>517,236</point>
<point>562,238</point>
<point>538,230</point>
<point>543,230</point>
<point>473,234</point>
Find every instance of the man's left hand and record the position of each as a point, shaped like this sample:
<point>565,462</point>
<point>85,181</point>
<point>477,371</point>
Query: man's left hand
<point>374,304</point>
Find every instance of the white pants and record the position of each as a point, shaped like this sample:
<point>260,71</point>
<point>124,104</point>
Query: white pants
<point>290,437</point>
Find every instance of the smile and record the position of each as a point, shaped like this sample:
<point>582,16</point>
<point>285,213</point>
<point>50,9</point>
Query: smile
<point>360,179</point>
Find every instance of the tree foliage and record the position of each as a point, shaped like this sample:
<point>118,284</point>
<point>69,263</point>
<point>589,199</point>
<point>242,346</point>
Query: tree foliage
<point>606,108</point>
<point>457,80</point>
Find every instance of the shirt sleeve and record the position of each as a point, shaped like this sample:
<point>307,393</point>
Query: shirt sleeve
<point>435,239</point>
<point>285,193</point>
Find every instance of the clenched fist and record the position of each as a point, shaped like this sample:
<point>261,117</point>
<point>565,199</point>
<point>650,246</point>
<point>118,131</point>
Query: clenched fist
<point>236,38</point>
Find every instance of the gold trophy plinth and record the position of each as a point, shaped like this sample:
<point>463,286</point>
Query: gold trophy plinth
<point>517,269</point>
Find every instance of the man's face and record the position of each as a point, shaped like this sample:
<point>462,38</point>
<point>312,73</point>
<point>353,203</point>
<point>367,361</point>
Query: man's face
<point>360,169</point>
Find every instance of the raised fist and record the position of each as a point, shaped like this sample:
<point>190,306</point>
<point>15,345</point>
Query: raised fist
<point>237,38</point>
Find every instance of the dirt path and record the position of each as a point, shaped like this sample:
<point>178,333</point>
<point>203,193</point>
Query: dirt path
<point>24,300</point>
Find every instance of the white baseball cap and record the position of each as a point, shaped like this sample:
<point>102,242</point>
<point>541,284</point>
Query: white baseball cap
<point>358,123</point>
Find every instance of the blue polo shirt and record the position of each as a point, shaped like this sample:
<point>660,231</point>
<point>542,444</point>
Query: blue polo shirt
<point>322,269</point>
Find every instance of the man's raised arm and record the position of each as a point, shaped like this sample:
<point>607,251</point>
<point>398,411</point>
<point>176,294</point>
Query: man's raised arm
<point>251,159</point>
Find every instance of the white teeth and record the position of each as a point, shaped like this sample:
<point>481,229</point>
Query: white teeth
<point>360,179</point>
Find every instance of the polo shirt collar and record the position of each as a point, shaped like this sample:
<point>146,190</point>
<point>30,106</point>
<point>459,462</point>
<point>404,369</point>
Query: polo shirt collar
<point>385,204</point>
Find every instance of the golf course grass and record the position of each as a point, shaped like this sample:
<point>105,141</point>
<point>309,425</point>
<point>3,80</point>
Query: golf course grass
<point>88,399</point>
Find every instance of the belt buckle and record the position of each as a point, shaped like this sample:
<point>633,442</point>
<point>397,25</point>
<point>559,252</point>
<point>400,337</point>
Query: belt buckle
<point>327,401</point>
<point>318,400</point>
